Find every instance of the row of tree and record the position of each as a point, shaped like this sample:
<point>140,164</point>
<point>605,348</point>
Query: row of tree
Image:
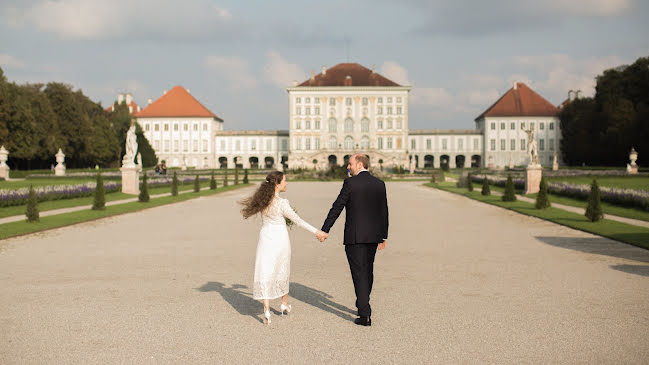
<point>601,130</point>
<point>38,119</point>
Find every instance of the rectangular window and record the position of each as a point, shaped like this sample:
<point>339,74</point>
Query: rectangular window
<point>317,143</point>
<point>156,145</point>
<point>532,125</point>
<point>307,110</point>
<point>298,100</point>
<point>316,100</point>
<point>348,101</point>
<point>175,127</point>
<point>298,110</point>
<point>460,144</point>
<point>475,144</point>
<point>379,124</point>
<point>503,144</point>
<point>298,143</point>
<point>399,125</point>
<point>185,145</point>
<point>316,110</point>
<point>389,143</point>
<point>541,125</point>
<point>428,144</point>
<point>512,125</point>
<point>307,100</point>
<point>493,144</point>
<point>502,126</point>
<point>523,145</point>
<point>389,110</point>
<point>147,127</point>
<point>444,144</point>
<point>389,124</point>
<point>195,146</point>
<point>284,145</point>
<point>389,99</point>
<point>332,101</point>
<point>195,127</point>
<point>253,145</point>
<point>185,127</point>
<point>176,146</point>
<point>204,145</point>
<point>166,145</point>
<point>551,126</point>
<point>317,125</point>
<point>156,127</point>
<point>205,126</point>
<point>551,144</point>
<point>399,99</point>
<point>298,125</point>
<point>380,143</point>
<point>493,126</point>
<point>413,144</point>
<point>364,101</point>
<point>269,144</point>
<point>307,125</point>
<point>307,144</point>
<point>541,144</point>
<point>166,127</point>
<point>399,110</point>
<point>512,145</point>
<point>379,110</point>
<point>523,125</point>
<point>380,100</point>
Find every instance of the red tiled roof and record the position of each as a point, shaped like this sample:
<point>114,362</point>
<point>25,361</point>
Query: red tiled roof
<point>360,76</point>
<point>133,106</point>
<point>520,101</point>
<point>176,103</point>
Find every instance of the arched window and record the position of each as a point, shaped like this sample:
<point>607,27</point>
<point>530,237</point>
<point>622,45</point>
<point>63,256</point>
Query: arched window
<point>333,142</point>
<point>332,125</point>
<point>365,125</point>
<point>349,125</point>
<point>365,142</point>
<point>349,143</point>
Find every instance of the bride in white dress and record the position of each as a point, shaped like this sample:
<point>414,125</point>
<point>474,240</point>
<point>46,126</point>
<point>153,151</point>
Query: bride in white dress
<point>273,260</point>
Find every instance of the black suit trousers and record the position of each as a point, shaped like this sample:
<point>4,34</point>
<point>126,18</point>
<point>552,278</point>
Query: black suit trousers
<point>361,264</point>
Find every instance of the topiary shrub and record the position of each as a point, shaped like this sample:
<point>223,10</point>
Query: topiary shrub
<point>245,176</point>
<point>594,208</point>
<point>510,194</point>
<point>197,184</point>
<point>485,187</point>
<point>542,199</point>
<point>174,185</point>
<point>100,194</point>
<point>144,191</point>
<point>31,212</point>
<point>469,182</point>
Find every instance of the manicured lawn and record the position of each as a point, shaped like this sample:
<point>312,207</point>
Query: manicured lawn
<point>68,203</point>
<point>637,236</point>
<point>45,182</point>
<point>628,182</point>
<point>61,220</point>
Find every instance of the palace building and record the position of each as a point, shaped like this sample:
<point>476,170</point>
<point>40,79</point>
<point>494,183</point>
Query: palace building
<point>350,109</point>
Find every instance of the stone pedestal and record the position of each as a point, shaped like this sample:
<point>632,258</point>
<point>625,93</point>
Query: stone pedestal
<point>533,174</point>
<point>4,168</point>
<point>4,172</point>
<point>59,170</point>
<point>130,180</point>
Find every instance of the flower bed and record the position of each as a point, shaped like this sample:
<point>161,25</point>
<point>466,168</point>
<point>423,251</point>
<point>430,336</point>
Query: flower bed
<point>629,198</point>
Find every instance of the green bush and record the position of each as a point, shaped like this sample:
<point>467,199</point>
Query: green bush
<point>144,191</point>
<point>469,182</point>
<point>236,176</point>
<point>542,199</point>
<point>197,184</point>
<point>32,207</point>
<point>485,187</point>
<point>174,185</point>
<point>100,194</point>
<point>245,176</point>
<point>594,208</point>
<point>212,182</point>
<point>510,194</point>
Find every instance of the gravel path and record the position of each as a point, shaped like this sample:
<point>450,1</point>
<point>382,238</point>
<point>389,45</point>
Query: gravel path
<point>460,282</point>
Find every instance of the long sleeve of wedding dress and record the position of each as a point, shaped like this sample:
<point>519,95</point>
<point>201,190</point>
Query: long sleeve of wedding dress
<point>289,213</point>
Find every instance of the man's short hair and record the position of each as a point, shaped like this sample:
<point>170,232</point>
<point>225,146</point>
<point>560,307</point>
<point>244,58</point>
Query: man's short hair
<point>363,159</point>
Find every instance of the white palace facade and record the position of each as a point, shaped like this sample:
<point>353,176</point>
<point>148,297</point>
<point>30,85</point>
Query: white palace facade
<point>345,110</point>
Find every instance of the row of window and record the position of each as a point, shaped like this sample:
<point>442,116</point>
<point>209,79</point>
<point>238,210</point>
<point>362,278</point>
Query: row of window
<point>348,101</point>
<point>512,125</point>
<point>176,126</point>
<point>348,143</point>
<point>166,145</point>
<point>349,125</point>
<point>460,144</point>
<point>389,110</point>
<point>522,146</point>
<point>253,145</point>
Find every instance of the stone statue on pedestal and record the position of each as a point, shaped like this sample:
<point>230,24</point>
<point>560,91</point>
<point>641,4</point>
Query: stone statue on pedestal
<point>532,149</point>
<point>4,168</point>
<point>131,147</point>
<point>555,163</point>
<point>59,170</point>
<point>632,168</point>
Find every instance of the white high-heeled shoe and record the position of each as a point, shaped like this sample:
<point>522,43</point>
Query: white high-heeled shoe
<point>285,308</point>
<point>267,315</point>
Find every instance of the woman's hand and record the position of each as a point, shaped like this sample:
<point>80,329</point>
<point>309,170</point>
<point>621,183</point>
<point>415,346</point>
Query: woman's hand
<point>321,236</point>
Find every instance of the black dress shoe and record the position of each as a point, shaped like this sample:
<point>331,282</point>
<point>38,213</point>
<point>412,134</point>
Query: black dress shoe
<point>363,321</point>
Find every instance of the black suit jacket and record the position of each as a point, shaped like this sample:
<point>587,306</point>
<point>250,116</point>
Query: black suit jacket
<point>364,198</point>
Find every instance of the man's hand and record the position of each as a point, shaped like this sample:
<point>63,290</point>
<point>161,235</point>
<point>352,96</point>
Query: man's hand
<point>322,236</point>
<point>383,244</point>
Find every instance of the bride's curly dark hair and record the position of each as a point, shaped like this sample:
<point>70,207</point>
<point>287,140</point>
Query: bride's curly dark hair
<point>261,199</point>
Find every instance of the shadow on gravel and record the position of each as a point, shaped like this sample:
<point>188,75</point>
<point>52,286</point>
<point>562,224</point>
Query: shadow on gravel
<point>599,246</point>
<point>320,300</point>
<point>239,299</point>
<point>641,270</point>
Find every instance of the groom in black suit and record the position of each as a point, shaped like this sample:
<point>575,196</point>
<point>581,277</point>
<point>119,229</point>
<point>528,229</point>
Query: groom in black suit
<point>366,228</point>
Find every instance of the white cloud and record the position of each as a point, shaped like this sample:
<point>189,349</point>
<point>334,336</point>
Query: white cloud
<point>437,97</point>
<point>9,61</point>
<point>232,69</point>
<point>280,72</point>
<point>395,72</point>
<point>119,19</point>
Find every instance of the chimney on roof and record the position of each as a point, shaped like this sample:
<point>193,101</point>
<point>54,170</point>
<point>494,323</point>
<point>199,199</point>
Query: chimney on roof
<point>373,69</point>
<point>120,98</point>
<point>312,75</point>
<point>149,101</point>
<point>129,98</point>
<point>164,92</point>
<point>188,92</point>
<point>348,80</point>
<point>324,70</point>
<point>294,83</point>
<point>515,85</point>
<point>571,95</point>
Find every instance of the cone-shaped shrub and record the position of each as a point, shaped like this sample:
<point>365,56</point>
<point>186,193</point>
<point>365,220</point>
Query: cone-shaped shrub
<point>594,209</point>
<point>32,207</point>
<point>212,182</point>
<point>542,199</point>
<point>469,183</point>
<point>144,191</point>
<point>236,176</point>
<point>510,194</point>
<point>245,176</point>
<point>197,184</point>
<point>100,192</point>
<point>225,178</point>
<point>485,187</point>
<point>174,185</point>
<point>432,177</point>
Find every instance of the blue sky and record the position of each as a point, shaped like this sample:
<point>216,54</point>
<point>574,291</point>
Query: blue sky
<point>236,57</point>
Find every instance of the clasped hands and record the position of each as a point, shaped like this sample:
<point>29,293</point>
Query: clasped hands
<point>321,236</point>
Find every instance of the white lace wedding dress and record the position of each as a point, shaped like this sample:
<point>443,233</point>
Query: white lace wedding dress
<point>273,261</point>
